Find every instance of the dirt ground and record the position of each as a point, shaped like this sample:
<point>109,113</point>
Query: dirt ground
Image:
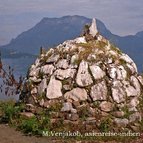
<point>10,135</point>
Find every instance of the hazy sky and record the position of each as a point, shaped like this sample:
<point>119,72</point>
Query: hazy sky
<point>121,17</point>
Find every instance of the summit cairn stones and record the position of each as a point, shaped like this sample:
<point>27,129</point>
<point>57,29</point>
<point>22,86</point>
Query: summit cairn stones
<point>87,78</point>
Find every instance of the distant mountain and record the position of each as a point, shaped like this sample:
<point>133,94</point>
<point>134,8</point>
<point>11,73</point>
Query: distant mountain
<point>52,31</point>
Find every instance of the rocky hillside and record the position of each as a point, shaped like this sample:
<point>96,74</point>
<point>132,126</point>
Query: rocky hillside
<point>87,80</point>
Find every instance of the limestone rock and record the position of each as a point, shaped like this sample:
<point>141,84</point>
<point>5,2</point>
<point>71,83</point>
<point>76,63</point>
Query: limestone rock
<point>136,84</point>
<point>74,60</point>
<point>118,72</point>
<point>64,74</point>
<point>118,114</point>
<point>134,102</point>
<point>47,69</point>
<point>37,62</point>
<point>131,91</point>
<point>97,72</point>
<point>99,91</point>
<point>67,107</point>
<point>35,79</point>
<point>121,122</point>
<point>106,106</point>
<point>76,104</point>
<point>27,114</point>
<point>77,94</point>
<point>112,73</point>
<point>54,89</point>
<point>132,105</point>
<point>91,57</point>
<point>42,86</point>
<point>34,71</point>
<point>135,116</point>
<point>83,77</point>
<point>93,28</point>
<point>80,40</point>
<point>63,64</point>
<point>53,58</point>
<point>42,102</point>
<point>74,111</point>
<point>121,73</point>
<point>133,66</point>
<point>140,78</point>
<point>118,92</point>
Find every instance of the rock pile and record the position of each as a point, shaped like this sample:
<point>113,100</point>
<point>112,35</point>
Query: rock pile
<point>91,81</point>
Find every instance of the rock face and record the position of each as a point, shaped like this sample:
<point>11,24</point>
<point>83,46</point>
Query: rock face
<point>93,28</point>
<point>83,77</point>
<point>99,91</point>
<point>87,76</point>
<point>54,89</point>
<point>77,94</point>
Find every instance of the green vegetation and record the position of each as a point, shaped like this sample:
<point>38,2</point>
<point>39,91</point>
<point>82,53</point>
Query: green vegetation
<point>83,112</point>
<point>35,125</point>
<point>29,126</point>
<point>56,107</point>
<point>41,96</point>
<point>9,112</point>
<point>114,48</point>
<point>106,125</point>
<point>127,112</point>
<point>41,75</point>
<point>96,104</point>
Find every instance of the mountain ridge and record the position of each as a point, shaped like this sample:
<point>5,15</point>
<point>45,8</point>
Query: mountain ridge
<point>52,31</point>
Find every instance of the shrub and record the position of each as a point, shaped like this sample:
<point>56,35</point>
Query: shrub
<point>29,126</point>
<point>9,111</point>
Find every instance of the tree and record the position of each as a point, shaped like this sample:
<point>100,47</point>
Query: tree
<point>10,85</point>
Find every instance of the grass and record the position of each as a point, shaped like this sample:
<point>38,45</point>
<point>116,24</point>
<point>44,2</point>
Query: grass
<point>83,112</point>
<point>35,125</point>
<point>114,48</point>
<point>127,112</point>
<point>56,107</point>
<point>105,125</point>
<point>10,113</point>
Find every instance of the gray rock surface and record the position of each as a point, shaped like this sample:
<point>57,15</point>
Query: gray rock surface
<point>99,91</point>
<point>54,89</point>
<point>64,74</point>
<point>93,28</point>
<point>83,77</point>
<point>121,122</point>
<point>97,72</point>
<point>42,86</point>
<point>47,69</point>
<point>118,93</point>
<point>53,58</point>
<point>67,106</point>
<point>106,106</point>
<point>77,94</point>
<point>63,64</point>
